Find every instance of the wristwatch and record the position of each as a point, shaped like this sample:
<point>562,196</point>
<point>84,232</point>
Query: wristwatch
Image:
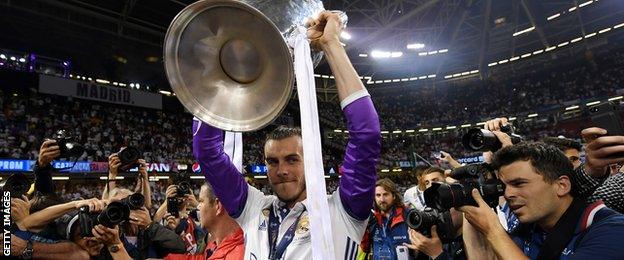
<point>114,248</point>
<point>28,251</point>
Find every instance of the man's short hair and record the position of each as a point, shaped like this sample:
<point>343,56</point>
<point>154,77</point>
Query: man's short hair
<point>391,187</point>
<point>433,169</point>
<point>210,193</point>
<point>419,170</point>
<point>546,160</point>
<point>563,143</point>
<point>283,132</point>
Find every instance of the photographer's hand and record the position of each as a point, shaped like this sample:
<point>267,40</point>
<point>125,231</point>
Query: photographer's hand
<point>143,169</point>
<point>141,218</point>
<point>171,222</point>
<point>191,201</point>
<point>113,166</point>
<point>430,246</point>
<point>172,190</point>
<point>449,159</point>
<point>95,205</point>
<point>496,124</point>
<point>107,236</point>
<point>20,209</point>
<point>485,221</point>
<point>601,151</point>
<point>48,151</point>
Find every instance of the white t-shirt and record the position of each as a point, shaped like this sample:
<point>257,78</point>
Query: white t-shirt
<point>414,198</point>
<point>254,220</point>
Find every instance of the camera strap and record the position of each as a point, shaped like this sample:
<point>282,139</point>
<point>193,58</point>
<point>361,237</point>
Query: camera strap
<point>277,249</point>
<point>563,231</point>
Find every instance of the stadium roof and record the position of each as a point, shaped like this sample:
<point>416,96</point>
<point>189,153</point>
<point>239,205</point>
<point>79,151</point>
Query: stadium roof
<point>122,40</point>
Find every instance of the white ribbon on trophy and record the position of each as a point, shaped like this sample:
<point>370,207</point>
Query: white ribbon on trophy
<point>320,222</point>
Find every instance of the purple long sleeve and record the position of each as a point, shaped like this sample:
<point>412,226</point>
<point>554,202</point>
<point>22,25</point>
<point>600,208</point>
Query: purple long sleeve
<point>228,184</point>
<point>357,184</point>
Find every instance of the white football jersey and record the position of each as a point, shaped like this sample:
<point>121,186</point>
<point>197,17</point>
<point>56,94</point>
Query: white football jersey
<point>254,220</point>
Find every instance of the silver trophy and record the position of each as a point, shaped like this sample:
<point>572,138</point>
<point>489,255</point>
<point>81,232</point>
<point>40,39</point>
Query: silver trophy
<point>229,62</point>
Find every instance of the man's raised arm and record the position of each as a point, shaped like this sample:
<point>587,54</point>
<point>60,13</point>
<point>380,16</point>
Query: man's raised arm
<point>357,184</point>
<point>228,184</point>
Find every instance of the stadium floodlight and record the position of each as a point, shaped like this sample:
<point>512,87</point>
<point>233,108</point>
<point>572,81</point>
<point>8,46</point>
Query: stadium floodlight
<point>325,76</point>
<point>363,55</point>
<point>554,16</point>
<point>115,84</point>
<point>563,44</point>
<point>448,76</point>
<point>481,123</point>
<point>431,76</point>
<point>572,9</point>
<point>524,31</point>
<point>422,54</point>
<point>456,75</point>
<point>423,130</point>
<point>397,170</point>
<point>551,48</point>
<point>164,92</point>
<point>618,26</point>
<point>260,177</point>
<point>465,73</point>
<point>378,81</point>
<point>397,131</point>
<point>2,56</point>
<point>592,103</point>
<point>385,170</point>
<point>404,79</point>
<point>443,51</point>
<point>492,64</point>
<point>451,127</point>
<point>436,128</point>
<point>432,52</point>
<point>60,178</point>
<point>345,35</point>
<point>90,79</point>
<point>512,118</point>
<point>586,3</point>
<point>414,78</point>
<point>22,60</point>
<point>590,35</point>
<point>396,54</point>
<point>571,108</point>
<point>410,131</point>
<point>537,52</point>
<point>122,84</point>
<point>616,98</point>
<point>396,80</point>
<point>474,71</point>
<point>197,177</point>
<point>605,30</point>
<point>385,132</point>
<point>525,55</point>
<point>503,61</point>
<point>514,58</point>
<point>466,125</point>
<point>13,58</point>
<point>102,81</point>
<point>131,85</point>
<point>387,81</point>
<point>137,85</point>
<point>381,54</point>
<point>415,46</point>
<point>422,77</point>
<point>576,39</point>
<point>531,115</point>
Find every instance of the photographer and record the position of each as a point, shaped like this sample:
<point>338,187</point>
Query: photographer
<point>572,149</point>
<point>554,223</point>
<point>432,246</point>
<point>143,238</point>
<point>176,217</point>
<point>387,233</point>
<point>142,185</point>
<point>413,197</point>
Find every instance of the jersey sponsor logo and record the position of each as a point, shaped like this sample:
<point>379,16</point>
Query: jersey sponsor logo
<point>263,225</point>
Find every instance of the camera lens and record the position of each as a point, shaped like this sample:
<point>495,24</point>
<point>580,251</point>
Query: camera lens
<point>115,213</point>
<point>134,201</point>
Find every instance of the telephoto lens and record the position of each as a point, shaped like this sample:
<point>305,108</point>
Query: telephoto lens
<point>477,139</point>
<point>134,201</point>
<point>115,213</point>
<point>423,220</point>
<point>444,196</point>
<point>184,188</point>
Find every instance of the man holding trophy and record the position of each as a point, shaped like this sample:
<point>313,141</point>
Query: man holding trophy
<point>277,226</point>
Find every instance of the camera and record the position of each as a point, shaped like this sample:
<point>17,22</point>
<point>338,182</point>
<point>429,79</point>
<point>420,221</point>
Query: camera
<point>129,158</point>
<point>477,139</point>
<point>17,184</point>
<point>422,221</point>
<point>443,196</point>
<point>67,145</point>
<point>115,213</point>
<point>183,188</point>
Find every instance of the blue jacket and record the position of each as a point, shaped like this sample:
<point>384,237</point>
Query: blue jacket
<point>598,235</point>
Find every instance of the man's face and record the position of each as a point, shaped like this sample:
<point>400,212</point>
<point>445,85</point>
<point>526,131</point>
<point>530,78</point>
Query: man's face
<point>430,178</point>
<point>284,159</point>
<point>383,198</point>
<point>207,211</point>
<point>574,156</point>
<point>530,197</point>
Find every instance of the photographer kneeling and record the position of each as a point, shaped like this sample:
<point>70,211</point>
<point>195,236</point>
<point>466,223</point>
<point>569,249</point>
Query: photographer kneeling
<point>553,223</point>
